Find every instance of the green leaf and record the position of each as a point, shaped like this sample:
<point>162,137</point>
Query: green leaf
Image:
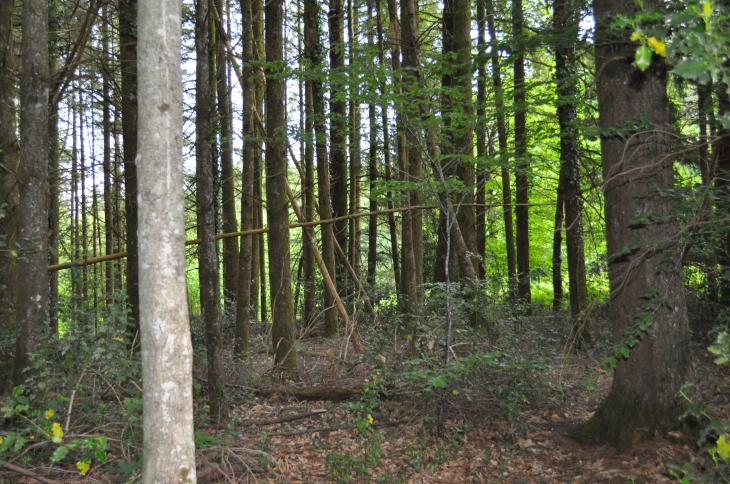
<point>691,68</point>
<point>642,58</point>
<point>624,352</point>
<point>591,385</point>
<point>19,443</point>
<point>59,454</point>
<point>723,447</point>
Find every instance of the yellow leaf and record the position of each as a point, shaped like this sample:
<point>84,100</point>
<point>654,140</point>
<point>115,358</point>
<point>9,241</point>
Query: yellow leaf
<point>707,9</point>
<point>723,447</point>
<point>635,36</point>
<point>370,418</point>
<point>118,338</point>
<point>657,46</point>
<point>49,413</point>
<point>455,392</point>
<point>83,467</point>
<point>57,430</point>
<point>1,439</point>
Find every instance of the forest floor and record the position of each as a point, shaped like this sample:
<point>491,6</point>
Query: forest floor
<point>511,431</point>
<point>383,417</point>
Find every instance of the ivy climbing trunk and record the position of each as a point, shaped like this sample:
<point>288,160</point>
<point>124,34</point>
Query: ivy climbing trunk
<point>647,300</point>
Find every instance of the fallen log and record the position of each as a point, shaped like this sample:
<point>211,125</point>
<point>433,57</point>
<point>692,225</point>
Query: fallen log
<point>313,393</point>
<point>286,418</point>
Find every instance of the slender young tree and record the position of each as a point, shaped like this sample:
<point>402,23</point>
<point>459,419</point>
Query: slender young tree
<point>502,142</point>
<point>308,181</point>
<point>282,308</point>
<point>205,200</point>
<point>315,55</point>
<point>353,109</point>
<point>646,284</point>
<point>228,202</point>
<point>128,63</point>
<point>246,254</point>
<point>107,160</point>
<point>167,353</point>
<point>521,184</point>
<point>566,15</point>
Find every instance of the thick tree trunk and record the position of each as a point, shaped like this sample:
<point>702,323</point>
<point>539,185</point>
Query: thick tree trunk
<point>167,353</point>
<point>205,199</point>
<point>246,254</point>
<point>315,54</point>
<point>502,141</point>
<point>308,181</point>
<point>32,295</point>
<point>228,203</point>
<point>128,64</point>
<point>521,166</point>
<point>282,309</point>
<point>9,157</point>
<point>646,284</point>
<point>54,176</point>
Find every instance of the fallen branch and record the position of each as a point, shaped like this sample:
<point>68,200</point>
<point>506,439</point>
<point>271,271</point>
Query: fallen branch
<point>287,418</point>
<point>314,393</point>
<point>231,385</point>
<point>340,427</point>
<point>27,473</point>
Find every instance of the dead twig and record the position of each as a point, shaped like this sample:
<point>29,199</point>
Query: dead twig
<point>27,473</point>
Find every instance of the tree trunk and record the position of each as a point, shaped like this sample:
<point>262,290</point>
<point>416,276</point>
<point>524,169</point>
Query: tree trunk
<point>412,80</point>
<point>354,237</point>
<point>481,137</point>
<point>259,270</point>
<point>107,163</point>
<point>314,53</point>
<point>372,171</point>
<point>128,63</point>
<point>228,204</point>
<point>566,14</point>
<point>338,121</point>
<point>205,199</point>
<point>521,183</point>
<point>167,353</point>
<point>502,140</point>
<point>54,177</point>
<point>646,284</point>
<point>310,277</point>
<point>9,157</point>
<point>32,295</point>
<point>282,309</point>
<point>246,254</point>
<point>558,242</point>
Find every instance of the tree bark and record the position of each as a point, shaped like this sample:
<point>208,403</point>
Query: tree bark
<point>128,63</point>
<point>566,15</point>
<point>107,160</point>
<point>521,184</point>
<point>372,168</point>
<point>315,54</point>
<point>558,242</point>
<point>483,176</point>
<point>392,227</point>
<point>338,120</point>
<point>282,331</point>
<point>246,254</point>
<point>646,283</point>
<point>502,141</point>
<point>32,295</point>
<point>354,232</point>
<point>167,354</point>
<point>9,158</point>
<point>412,80</point>
<point>228,203</point>
<point>205,200</point>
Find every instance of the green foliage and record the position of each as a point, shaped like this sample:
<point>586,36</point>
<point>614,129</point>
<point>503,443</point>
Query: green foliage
<point>38,426</point>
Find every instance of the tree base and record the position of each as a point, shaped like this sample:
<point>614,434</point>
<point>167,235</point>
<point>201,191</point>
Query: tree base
<point>620,422</point>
